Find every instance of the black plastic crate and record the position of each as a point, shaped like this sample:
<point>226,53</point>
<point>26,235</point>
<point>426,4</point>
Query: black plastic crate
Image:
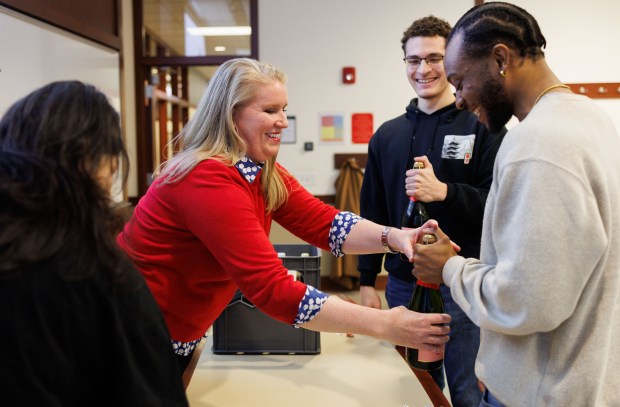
<point>243,329</point>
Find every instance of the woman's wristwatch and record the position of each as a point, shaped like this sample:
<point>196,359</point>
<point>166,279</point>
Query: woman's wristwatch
<point>384,240</point>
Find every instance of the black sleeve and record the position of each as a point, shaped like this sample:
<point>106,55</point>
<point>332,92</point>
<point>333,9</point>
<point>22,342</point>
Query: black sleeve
<point>78,338</point>
<point>146,371</point>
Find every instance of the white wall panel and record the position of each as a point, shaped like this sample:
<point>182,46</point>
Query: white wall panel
<point>312,40</point>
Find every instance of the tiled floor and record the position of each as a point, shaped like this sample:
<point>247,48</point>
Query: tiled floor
<point>356,371</point>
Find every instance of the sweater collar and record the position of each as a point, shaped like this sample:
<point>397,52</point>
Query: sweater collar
<point>248,169</point>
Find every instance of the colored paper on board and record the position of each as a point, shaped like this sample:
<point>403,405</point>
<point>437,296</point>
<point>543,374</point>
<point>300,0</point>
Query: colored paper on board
<point>332,127</point>
<point>361,127</point>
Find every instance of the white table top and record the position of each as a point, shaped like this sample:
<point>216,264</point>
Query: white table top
<point>354,371</point>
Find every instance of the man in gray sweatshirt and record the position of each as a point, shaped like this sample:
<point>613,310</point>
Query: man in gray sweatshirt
<point>546,289</point>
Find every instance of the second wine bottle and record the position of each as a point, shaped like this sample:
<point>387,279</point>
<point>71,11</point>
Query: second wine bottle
<point>415,214</point>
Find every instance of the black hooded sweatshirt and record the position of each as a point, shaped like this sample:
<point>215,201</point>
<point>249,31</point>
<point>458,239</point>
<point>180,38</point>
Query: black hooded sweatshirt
<point>462,153</point>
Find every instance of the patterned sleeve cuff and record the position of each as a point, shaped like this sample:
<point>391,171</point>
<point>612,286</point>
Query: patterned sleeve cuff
<point>341,226</point>
<point>185,348</point>
<point>309,305</point>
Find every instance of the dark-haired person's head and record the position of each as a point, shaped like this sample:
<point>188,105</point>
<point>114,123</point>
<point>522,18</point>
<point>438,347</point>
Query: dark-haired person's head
<point>487,24</point>
<point>474,57</point>
<point>424,46</point>
<point>429,26</point>
<point>60,147</point>
<point>67,126</point>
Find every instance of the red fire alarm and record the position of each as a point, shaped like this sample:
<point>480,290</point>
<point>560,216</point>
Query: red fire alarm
<point>348,75</point>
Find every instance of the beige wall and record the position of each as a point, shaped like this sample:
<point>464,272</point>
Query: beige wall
<point>313,40</point>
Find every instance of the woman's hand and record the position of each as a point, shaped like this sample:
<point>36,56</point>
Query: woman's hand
<point>416,330</point>
<point>405,239</point>
<point>397,325</point>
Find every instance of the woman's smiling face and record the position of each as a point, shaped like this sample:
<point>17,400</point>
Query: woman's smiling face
<point>260,122</point>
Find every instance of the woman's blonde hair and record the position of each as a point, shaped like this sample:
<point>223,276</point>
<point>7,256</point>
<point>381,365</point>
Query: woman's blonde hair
<point>211,133</point>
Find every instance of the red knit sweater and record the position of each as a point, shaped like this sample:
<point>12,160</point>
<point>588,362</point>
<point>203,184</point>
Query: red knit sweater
<point>199,239</point>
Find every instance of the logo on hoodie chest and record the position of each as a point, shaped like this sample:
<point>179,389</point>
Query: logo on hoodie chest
<point>458,147</point>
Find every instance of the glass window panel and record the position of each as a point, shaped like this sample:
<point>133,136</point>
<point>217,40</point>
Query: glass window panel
<point>184,27</point>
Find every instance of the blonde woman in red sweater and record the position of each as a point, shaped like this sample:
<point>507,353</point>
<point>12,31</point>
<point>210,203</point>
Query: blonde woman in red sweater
<point>202,230</point>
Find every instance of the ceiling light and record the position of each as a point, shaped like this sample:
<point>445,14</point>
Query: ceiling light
<point>219,48</point>
<point>220,31</point>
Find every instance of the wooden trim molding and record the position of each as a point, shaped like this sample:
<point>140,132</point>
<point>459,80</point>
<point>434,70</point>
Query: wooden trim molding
<point>341,158</point>
<point>97,20</point>
<point>597,90</point>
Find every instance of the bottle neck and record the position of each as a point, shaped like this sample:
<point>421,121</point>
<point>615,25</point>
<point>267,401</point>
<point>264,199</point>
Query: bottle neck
<point>428,285</point>
<point>417,165</point>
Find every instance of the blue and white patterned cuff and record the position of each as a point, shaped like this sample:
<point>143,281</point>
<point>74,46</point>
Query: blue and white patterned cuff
<point>185,348</point>
<point>341,226</point>
<point>309,305</point>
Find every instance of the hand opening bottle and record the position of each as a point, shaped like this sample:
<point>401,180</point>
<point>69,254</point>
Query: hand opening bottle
<point>426,298</point>
<point>415,215</point>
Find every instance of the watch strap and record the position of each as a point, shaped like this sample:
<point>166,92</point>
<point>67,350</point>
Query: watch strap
<point>384,240</point>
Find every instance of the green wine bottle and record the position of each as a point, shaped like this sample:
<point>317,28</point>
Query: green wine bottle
<point>426,298</point>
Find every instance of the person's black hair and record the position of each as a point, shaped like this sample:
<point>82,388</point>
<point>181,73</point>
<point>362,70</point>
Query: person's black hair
<point>51,144</point>
<point>488,24</point>
<point>429,26</point>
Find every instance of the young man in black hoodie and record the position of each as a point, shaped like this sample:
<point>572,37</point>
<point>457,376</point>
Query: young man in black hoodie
<point>458,155</point>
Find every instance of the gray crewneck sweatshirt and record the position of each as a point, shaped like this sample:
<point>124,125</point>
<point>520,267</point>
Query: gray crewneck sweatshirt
<point>546,290</point>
